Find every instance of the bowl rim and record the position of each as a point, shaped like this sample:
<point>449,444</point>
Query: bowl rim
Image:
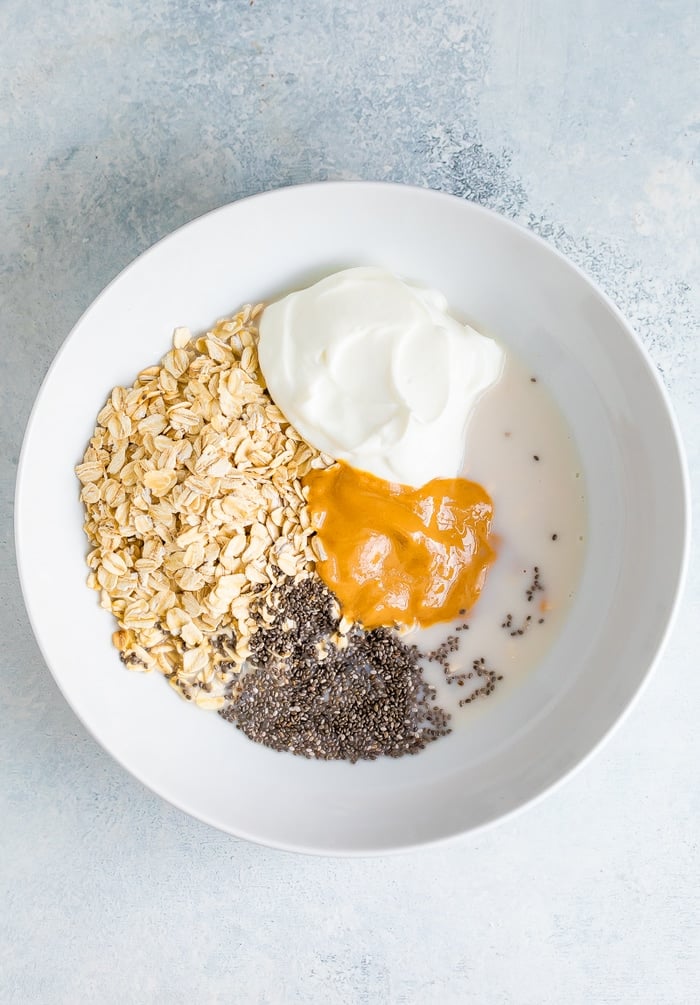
<point>419,192</point>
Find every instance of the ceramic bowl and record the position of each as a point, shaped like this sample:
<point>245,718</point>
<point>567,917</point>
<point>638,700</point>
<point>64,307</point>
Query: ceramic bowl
<point>512,285</point>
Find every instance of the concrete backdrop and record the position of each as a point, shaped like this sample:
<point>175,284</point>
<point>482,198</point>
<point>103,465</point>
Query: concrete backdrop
<point>121,120</point>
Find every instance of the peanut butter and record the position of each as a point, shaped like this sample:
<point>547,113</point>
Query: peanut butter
<point>399,555</point>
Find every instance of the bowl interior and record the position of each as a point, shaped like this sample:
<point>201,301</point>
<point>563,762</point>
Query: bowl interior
<point>508,283</point>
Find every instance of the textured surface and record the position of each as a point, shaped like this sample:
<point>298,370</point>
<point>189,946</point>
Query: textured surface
<point>121,121</point>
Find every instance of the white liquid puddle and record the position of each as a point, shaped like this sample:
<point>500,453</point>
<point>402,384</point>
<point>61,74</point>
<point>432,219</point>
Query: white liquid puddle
<point>520,449</point>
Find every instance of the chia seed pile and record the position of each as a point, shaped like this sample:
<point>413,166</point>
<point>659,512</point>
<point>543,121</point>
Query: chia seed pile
<point>359,699</point>
<point>313,691</point>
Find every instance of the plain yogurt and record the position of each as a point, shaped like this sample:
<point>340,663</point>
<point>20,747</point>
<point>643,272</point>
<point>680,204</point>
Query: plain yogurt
<point>374,371</point>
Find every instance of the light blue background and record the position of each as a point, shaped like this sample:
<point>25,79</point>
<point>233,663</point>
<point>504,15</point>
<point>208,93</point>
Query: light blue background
<point>121,120</point>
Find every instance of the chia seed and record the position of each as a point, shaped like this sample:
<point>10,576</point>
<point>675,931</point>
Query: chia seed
<point>131,659</point>
<point>359,702</point>
<point>441,657</point>
<point>535,586</point>
<point>225,644</point>
<point>489,677</point>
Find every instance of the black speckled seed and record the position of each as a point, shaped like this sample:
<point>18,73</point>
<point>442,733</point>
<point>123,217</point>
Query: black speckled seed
<point>305,695</point>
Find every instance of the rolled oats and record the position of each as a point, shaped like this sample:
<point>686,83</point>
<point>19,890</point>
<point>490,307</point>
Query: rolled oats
<point>195,510</point>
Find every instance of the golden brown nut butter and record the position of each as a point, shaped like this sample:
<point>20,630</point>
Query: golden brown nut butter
<point>401,555</point>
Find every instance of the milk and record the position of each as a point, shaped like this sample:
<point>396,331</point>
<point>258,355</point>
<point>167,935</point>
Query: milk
<point>515,422</point>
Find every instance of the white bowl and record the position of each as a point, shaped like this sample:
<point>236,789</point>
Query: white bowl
<point>512,285</point>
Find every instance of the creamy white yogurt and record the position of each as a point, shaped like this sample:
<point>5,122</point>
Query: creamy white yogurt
<point>373,371</point>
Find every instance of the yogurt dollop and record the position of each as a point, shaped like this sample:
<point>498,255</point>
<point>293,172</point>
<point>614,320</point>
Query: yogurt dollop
<point>373,371</point>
